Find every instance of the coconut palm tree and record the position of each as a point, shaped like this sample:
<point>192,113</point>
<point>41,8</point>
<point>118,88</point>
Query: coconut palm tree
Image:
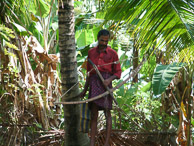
<point>69,74</point>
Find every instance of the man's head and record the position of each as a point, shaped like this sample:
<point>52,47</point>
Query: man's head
<point>103,32</point>
<point>103,38</point>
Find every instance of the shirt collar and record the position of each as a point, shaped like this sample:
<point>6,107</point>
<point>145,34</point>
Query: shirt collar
<point>105,50</point>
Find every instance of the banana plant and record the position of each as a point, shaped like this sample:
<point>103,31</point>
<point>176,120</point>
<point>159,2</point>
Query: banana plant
<point>46,22</point>
<point>163,75</point>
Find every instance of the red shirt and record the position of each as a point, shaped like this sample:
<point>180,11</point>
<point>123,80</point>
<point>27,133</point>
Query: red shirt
<point>104,60</point>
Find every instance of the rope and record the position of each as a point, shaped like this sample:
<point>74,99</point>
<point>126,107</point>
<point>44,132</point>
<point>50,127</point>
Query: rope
<point>115,62</point>
<point>134,72</point>
<point>125,132</point>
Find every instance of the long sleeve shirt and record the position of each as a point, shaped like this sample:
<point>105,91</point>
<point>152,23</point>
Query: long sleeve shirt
<point>106,61</point>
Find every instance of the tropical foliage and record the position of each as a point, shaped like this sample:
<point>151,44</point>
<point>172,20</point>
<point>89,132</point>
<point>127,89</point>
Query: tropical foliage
<point>160,98</point>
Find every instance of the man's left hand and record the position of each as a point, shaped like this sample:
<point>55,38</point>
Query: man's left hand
<point>107,81</point>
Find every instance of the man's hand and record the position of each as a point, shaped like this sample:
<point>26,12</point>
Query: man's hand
<point>109,80</point>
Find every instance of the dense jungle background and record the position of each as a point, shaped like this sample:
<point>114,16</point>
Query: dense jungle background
<point>43,50</point>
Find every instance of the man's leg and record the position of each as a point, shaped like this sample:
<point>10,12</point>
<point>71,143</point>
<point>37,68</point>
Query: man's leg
<point>108,126</point>
<point>94,117</point>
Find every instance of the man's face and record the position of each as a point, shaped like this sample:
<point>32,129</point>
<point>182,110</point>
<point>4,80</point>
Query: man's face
<point>103,41</point>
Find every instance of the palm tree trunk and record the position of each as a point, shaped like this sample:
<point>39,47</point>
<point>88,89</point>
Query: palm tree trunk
<point>188,96</point>
<point>69,74</point>
<point>135,59</point>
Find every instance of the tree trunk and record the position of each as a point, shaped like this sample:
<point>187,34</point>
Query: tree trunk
<point>69,74</point>
<point>188,98</point>
<point>135,59</point>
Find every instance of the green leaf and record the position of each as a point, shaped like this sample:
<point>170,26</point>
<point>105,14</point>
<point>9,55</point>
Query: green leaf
<point>6,33</point>
<point>11,46</point>
<point>20,29</point>
<point>192,121</point>
<point>55,26</point>
<point>120,101</point>
<point>33,28</point>
<point>163,75</point>
<point>121,90</point>
<point>85,38</point>
<point>81,39</point>
<point>161,22</point>
<point>38,7</point>
<point>146,87</point>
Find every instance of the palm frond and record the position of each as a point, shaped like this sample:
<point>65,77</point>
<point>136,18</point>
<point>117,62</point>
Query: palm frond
<point>159,22</point>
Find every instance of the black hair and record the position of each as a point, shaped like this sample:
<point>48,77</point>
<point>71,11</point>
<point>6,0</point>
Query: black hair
<point>104,32</point>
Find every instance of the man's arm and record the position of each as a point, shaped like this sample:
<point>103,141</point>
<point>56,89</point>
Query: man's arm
<point>116,71</point>
<point>116,68</point>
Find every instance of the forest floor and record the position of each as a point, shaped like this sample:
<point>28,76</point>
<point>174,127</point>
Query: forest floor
<point>118,138</point>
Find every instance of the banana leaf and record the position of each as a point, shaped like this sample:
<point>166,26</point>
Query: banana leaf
<point>163,75</point>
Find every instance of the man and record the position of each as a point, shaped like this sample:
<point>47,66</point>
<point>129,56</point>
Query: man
<point>104,58</point>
